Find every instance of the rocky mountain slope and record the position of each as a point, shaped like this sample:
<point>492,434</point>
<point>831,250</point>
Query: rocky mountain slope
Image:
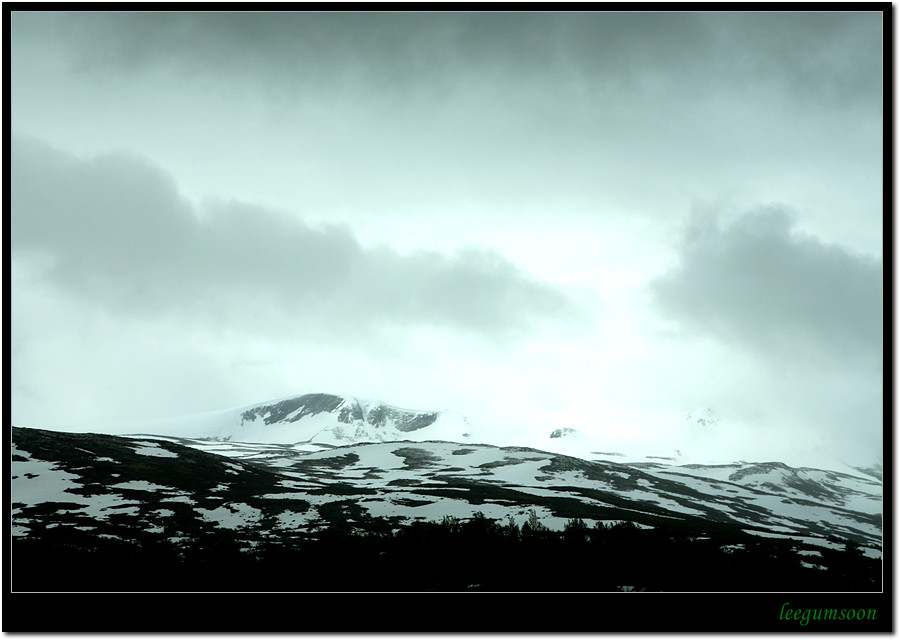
<point>173,489</point>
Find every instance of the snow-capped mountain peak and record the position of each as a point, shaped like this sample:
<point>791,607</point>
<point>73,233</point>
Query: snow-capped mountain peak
<point>321,419</point>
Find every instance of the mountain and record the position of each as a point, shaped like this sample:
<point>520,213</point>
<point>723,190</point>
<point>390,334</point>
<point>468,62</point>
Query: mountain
<point>360,494</point>
<point>71,492</point>
<point>319,420</point>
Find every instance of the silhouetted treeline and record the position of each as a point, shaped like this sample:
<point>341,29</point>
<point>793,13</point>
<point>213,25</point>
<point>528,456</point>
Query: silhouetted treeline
<point>451,555</point>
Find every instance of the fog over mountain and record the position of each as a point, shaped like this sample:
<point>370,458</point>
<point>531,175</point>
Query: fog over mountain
<point>594,221</point>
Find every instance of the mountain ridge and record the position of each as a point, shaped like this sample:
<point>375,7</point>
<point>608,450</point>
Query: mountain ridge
<point>322,420</point>
<point>791,502</point>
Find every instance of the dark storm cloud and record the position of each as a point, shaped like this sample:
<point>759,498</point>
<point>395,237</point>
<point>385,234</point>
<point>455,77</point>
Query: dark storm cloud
<point>299,49</point>
<point>759,283</point>
<point>118,231</point>
<point>819,58</point>
<point>822,56</point>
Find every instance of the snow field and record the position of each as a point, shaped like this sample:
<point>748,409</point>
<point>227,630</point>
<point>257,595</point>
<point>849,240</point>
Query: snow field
<point>142,485</point>
<point>47,483</point>
<point>233,515</point>
<point>293,520</point>
<point>153,449</point>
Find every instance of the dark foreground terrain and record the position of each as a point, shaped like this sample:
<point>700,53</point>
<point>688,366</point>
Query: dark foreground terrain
<point>478,554</point>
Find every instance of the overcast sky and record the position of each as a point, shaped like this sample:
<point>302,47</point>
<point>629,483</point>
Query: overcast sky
<point>539,220</point>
